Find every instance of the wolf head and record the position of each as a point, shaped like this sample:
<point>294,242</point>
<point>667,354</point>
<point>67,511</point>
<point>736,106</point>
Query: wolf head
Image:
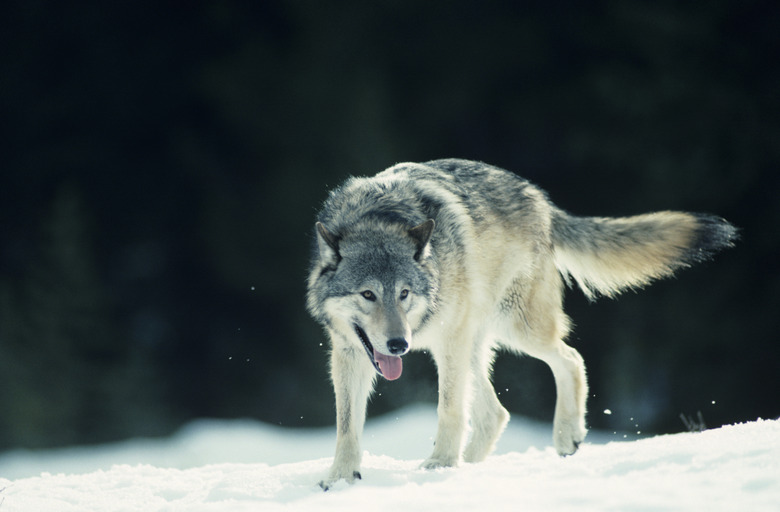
<point>372,287</point>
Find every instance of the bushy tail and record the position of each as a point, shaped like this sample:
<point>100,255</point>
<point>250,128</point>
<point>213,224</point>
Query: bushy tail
<point>608,255</point>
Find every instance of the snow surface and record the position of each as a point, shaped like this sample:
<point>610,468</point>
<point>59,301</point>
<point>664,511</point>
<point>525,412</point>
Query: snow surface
<point>244,465</point>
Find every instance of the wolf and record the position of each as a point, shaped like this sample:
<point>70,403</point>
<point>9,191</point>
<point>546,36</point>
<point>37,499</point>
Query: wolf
<point>461,258</point>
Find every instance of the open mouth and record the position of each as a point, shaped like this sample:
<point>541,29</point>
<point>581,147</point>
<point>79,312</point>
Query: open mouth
<point>368,346</point>
<point>389,367</point>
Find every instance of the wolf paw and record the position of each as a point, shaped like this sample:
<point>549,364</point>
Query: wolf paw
<point>568,440</point>
<point>436,463</point>
<point>326,484</point>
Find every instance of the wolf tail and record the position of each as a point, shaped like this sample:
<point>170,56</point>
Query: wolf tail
<point>608,255</point>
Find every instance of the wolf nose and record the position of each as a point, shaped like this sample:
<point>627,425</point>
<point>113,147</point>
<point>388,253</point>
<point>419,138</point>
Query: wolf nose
<point>397,346</point>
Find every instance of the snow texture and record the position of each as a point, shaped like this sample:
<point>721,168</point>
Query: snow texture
<point>243,465</point>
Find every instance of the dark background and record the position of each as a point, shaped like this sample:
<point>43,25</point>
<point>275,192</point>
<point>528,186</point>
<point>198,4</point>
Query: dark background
<point>162,164</point>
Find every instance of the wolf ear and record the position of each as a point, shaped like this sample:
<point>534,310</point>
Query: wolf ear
<point>422,236</point>
<point>328,245</point>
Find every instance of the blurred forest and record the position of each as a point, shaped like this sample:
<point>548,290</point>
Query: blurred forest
<point>161,165</point>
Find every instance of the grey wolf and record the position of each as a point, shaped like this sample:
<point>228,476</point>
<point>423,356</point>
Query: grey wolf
<point>460,258</point>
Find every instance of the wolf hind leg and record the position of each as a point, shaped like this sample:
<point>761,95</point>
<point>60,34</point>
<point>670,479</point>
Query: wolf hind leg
<point>572,390</point>
<point>537,327</point>
<point>488,417</point>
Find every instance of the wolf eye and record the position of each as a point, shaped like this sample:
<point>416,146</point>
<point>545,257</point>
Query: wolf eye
<point>404,294</point>
<point>368,295</point>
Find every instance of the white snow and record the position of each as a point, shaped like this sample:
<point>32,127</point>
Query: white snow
<point>244,465</point>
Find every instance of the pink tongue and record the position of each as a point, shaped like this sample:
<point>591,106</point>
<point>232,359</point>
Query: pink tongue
<point>391,366</point>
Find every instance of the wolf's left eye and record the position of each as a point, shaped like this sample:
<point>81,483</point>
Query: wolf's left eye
<point>404,294</point>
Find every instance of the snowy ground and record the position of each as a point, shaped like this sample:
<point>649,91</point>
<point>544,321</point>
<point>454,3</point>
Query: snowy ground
<point>241,466</point>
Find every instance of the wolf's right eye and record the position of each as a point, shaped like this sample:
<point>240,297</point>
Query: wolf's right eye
<point>368,295</point>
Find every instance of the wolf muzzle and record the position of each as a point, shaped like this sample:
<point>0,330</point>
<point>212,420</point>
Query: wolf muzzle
<point>390,367</point>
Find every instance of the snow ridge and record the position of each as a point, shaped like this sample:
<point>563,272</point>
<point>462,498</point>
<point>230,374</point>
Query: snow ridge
<point>730,468</point>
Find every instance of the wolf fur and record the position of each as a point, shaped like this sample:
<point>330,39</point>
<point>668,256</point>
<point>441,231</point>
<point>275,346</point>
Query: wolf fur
<point>460,258</point>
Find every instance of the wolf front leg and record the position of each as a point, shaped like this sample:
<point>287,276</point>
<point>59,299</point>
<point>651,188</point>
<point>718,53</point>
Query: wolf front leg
<point>488,416</point>
<point>452,362</point>
<point>353,379</point>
